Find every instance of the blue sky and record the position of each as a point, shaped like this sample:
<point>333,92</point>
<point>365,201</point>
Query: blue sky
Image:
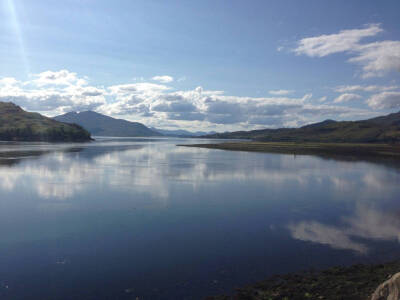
<point>204,65</point>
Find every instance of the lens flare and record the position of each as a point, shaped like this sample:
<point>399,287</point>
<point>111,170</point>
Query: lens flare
<point>17,30</point>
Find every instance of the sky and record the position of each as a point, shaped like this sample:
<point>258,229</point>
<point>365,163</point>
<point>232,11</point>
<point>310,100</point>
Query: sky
<point>203,65</point>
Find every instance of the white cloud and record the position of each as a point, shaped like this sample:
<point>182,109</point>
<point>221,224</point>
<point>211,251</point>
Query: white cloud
<point>62,77</point>
<point>154,104</point>
<point>58,92</point>
<point>163,78</point>
<point>280,92</point>
<point>214,107</point>
<point>143,87</point>
<point>376,58</point>
<point>346,98</point>
<point>345,40</point>
<point>8,81</point>
<point>364,88</point>
<point>385,100</point>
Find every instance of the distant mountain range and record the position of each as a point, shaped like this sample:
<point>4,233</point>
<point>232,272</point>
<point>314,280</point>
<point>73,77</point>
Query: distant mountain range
<point>181,132</point>
<point>102,125</point>
<point>17,124</point>
<point>385,129</point>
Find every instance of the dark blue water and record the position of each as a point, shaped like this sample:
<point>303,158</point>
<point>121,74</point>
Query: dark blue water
<point>127,218</point>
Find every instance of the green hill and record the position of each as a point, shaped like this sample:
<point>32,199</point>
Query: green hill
<point>19,125</point>
<point>385,129</point>
<point>101,125</point>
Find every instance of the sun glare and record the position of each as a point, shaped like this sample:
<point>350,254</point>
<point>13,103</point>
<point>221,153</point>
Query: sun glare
<point>18,33</point>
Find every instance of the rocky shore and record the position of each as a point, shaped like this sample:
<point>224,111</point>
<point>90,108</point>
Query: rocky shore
<point>373,282</point>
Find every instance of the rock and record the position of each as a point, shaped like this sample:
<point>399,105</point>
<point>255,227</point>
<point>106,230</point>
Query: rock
<point>389,290</point>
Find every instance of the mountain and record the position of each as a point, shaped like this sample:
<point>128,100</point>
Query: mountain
<point>17,124</point>
<point>385,129</point>
<point>101,125</point>
<point>181,132</point>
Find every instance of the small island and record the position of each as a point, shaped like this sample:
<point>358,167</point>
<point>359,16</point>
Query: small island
<point>17,124</point>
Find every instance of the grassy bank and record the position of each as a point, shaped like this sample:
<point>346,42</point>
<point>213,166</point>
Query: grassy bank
<point>354,282</point>
<point>322,149</point>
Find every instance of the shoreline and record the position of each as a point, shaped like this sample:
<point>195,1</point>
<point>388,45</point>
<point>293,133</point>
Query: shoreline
<point>320,149</point>
<point>353,282</point>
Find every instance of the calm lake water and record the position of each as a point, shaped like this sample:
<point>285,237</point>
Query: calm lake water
<point>127,218</point>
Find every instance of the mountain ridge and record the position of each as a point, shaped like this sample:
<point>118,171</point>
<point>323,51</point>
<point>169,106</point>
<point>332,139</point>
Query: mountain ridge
<point>102,125</point>
<point>17,124</point>
<point>181,132</point>
<point>382,129</point>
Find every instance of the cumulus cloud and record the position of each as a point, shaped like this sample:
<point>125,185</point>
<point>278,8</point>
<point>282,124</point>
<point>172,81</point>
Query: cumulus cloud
<point>280,92</point>
<point>376,58</point>
<point>8,81</point>
<point>54,92</point>
<point>58,91</point>
<point>385,100</point>
<point>163,78</point>
<point>62,77</point>
<point>346,98</point>
<point>214,107</point>
<point>175,107</point>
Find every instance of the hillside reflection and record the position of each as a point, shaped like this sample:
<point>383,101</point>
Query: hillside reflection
<point>139,210</point>
<point>61,172</point>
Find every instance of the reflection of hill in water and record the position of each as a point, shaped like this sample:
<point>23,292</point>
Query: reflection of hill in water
<point>259,210</point>
<point>386,161</point>
<point>12,157</point>
<point>12,153</point>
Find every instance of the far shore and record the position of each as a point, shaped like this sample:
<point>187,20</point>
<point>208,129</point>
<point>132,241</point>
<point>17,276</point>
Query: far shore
<point>391,151</point>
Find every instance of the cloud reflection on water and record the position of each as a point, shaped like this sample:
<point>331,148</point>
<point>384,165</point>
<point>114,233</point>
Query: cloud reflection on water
<point>147,174</point>
<point>367,223</point>
<point>61,175</point>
